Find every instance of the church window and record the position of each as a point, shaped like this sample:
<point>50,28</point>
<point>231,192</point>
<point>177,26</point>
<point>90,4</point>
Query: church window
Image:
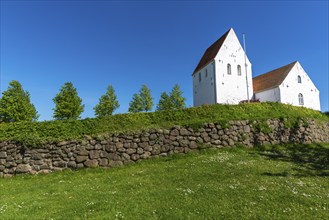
<point>199,77</point>
<point>300,99</point>
<point>206,73</point>
<point>299,79</point>
<point>239,70</point>
<point>228,69</point>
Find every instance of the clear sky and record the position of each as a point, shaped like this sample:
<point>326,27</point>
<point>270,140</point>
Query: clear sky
<point>126,44</point>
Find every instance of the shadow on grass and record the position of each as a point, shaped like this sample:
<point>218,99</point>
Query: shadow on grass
<point>311,159</point>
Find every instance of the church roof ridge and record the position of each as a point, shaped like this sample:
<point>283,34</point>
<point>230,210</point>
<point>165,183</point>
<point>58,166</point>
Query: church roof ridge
<point>272,78</point>
<point>211,52</point>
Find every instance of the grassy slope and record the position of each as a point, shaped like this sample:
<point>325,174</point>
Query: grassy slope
<point>195,117</point>
<point>273,183</point>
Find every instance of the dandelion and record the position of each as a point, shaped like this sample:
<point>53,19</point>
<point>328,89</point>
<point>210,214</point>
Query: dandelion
<point>262,188</point>
<point>119,215</point>
<point>3,208</point>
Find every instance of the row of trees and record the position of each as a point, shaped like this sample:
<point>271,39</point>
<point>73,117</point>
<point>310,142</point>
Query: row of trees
<point>15,103</point>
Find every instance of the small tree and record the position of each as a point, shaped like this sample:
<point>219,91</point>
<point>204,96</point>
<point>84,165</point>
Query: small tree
<point>68,103</point>
<point>174,101</point>
<point>178,101</point>
<point>165,102</point>
<point>108,103</point>
<point>135,104</point>
<point>147,100</point>
<point>15,104</point>
<point>142,101</point>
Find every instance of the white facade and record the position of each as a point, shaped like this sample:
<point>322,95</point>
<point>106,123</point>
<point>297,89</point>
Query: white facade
<point>296,89</point>
<point>291,89</point>
<point>215,83</point>
<point>224,75</point>
<point>271,95</point>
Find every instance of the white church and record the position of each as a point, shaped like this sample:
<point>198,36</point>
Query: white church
<point>224,75</point>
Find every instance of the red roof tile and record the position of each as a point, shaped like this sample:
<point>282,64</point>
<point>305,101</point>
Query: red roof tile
<point>271,79</point>
<point>211,52</point>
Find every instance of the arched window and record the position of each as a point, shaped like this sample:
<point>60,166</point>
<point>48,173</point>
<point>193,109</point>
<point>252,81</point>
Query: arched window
<point>199,77</point>
<point>300,99</point>
<point>299,79</point>
<point>228,69</point>
<point>239,70</point>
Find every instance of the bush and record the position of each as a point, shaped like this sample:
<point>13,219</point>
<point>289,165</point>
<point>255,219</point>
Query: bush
<point>40,132</point>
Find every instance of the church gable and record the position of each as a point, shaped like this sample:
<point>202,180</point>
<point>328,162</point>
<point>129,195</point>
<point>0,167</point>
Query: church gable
<point>271,79</point>
<point>211,52</point>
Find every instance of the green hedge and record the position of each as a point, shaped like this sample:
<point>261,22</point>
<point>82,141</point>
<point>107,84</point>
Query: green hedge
<point>34,133</point>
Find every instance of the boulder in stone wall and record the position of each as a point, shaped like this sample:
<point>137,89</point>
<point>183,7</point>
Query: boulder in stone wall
<point>193,145</point>
<point>81,158</point>
<point>94,154</point>
<point>110,148</point>
<point>121,150</point>
<point>98,147</point>
<point>104,162</point>
<point>214,136</point>
<point>23,168</point>
<point>119,145</point>
<point>115,163</point>
<point>125,156</point>
<point>62,143</point>
<point>148,148</point>
<point>72,164</point>
<point>184,132</point>
<point>131,151</point>
<point>184,143</point>
<point>59,164</point>
<point>206,139</point>
<point>3,155</point>
<point>174,132</point>
<point>103,154</point>
<point>113,156</point>
<point>146,155</point>
<point>91,163</point>
<point>140,150</point>
<point>179,149</point>
<point>153,137</point>
<point>135,157</point>
<point>230,142</point>
<point>83,153</point>
<point>165,148</point>
<point>246,128</point>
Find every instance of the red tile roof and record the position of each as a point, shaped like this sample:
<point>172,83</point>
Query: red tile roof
<point>271,79</point>
<point>211,52</point>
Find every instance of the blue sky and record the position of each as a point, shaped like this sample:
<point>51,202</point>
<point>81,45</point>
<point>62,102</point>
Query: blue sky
<point>126,44</point>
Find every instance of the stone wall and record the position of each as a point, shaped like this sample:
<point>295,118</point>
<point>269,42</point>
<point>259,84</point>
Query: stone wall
<point>118,149</point>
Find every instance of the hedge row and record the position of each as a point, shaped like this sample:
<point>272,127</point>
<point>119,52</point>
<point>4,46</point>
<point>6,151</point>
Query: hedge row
<point>34,133</point>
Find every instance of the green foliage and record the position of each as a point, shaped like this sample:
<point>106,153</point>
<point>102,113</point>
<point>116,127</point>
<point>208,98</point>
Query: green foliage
<point>135,104</point>
<point>194,117</point>
<point>165,102</point>
<point>142,101</point>
<point>277,183</point>
<point>15,104</point>
<point>262,126</point>
<point>108,103</point>
<point>147,100</point>
<point>173,101</point>
<point>176,96</point>
<point>67,103</point>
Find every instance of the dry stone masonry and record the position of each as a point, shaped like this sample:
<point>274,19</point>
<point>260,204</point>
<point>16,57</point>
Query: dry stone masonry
<point>119,149</point>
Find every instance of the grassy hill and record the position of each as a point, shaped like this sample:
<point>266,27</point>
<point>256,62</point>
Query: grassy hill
<point>279,182</point>
<point>38,132</point>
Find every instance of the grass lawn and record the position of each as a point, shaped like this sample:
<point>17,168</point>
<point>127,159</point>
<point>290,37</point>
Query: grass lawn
<point>280,182</point>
